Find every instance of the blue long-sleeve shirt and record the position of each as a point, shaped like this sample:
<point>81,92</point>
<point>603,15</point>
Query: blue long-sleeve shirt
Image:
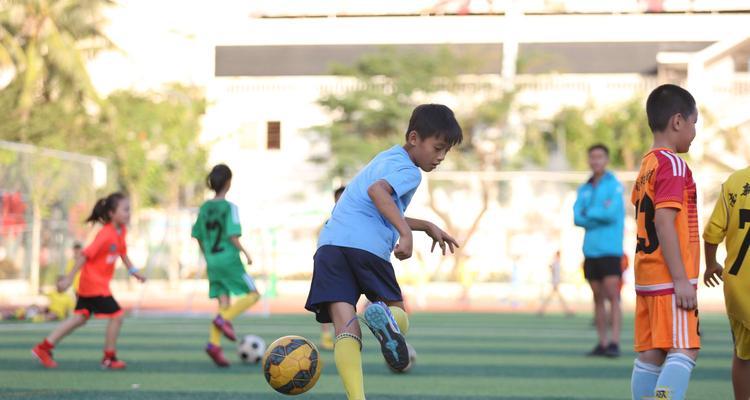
<point>600,210</point>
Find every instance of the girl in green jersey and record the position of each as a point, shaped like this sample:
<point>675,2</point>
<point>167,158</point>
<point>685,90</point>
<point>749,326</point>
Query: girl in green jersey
<point>218,231</point>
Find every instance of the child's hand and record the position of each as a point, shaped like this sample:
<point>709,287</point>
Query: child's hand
<point>440,237</point>
<point>63,284</point>
<point>249,259</point>
<point>404,247</point>
<point>139,277</point>
<point>685,296</point>
<point>712,276</point>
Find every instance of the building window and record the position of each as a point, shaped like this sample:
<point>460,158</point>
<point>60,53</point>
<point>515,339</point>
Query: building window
<point>273,135</point>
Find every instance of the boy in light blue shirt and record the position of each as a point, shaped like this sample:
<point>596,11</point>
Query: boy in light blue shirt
<point>355,245</point>
<point>356,222</point>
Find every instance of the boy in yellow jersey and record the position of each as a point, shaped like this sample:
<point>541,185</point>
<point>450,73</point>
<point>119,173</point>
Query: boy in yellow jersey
<point>62,303</point>
<point>667,252</point>
<point>731,220</point>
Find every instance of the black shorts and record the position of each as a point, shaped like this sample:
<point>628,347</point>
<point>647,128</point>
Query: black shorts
<point>100,306</point>
<point>596,269</point>
<point>343,274</point>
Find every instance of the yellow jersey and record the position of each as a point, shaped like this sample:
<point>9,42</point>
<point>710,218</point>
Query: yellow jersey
<point>730,220</point>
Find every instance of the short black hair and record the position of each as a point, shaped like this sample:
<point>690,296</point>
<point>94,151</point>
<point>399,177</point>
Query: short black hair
<point>218,177</point>
<point>599,146</point>
<point>666,101</point>
<point>430,120</point>
<point>338,192</point>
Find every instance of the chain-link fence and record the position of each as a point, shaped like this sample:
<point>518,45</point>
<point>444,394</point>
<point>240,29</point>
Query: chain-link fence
<point>44,197</point>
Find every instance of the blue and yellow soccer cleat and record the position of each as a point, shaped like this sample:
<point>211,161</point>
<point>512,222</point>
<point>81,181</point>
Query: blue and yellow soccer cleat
<point>392,343</point>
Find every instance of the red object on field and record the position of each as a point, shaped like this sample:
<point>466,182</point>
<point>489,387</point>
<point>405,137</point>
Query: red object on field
<point>225,326</point>
<point>44,355</point>
<point>12,214</point>
<point>217,355</point>
<point>113,363</point>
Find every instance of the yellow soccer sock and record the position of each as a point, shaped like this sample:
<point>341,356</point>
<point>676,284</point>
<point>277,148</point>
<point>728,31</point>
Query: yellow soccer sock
<point>348,356</point>
<point>214,334</point>
<point>240,306</point>
<point>402,319</point>
<point>326,340</point>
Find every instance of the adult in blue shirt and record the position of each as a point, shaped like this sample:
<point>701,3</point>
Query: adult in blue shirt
<point>599,209</point>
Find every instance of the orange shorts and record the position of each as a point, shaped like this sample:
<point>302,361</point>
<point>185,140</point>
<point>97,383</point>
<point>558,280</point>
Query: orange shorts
<point>660,324</point>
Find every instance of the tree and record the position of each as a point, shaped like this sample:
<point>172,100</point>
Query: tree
<point>50,101</point>
<point>155,146</point>
<point>372,117</point>
<point>46,42</point>
<point>151,139</point>
<point>623,128</point>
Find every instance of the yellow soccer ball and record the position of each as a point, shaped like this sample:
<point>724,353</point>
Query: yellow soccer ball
<point>292,365</point>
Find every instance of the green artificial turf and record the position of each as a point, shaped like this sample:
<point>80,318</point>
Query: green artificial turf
<point>459,356</point>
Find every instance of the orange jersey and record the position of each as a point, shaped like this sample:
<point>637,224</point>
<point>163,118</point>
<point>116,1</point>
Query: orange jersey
<point>101,255</point>
<point>664,181</point>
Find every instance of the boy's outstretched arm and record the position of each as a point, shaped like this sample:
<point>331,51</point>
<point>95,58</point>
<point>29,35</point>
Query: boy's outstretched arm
<point>712,276</point>
<point>670,247</point>
<point>380,193</point>
<point>438,235</point>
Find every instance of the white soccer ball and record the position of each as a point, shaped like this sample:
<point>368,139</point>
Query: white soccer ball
<point>251,349</point>
<point>412,360</point>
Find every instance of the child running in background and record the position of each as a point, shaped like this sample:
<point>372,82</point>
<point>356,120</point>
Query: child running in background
<point>97,266</point>
<point>555,280</point>
<point>218,231</point>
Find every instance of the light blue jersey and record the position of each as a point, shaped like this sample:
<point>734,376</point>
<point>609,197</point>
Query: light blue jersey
<point>355,222</point>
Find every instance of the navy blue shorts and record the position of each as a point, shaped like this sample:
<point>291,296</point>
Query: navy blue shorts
<point>342,274</point>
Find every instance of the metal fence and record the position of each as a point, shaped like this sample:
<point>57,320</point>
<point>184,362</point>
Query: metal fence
<point>44,194</point>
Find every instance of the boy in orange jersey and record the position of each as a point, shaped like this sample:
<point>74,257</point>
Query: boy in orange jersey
<point>667,252</point>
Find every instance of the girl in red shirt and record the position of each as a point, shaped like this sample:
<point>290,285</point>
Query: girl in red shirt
<point>97,265</point>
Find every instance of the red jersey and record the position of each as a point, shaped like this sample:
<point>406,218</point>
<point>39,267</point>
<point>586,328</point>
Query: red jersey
<point>101,256</point>
<point>664,181</point>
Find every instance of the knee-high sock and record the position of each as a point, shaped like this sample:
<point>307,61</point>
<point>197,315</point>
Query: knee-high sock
<point>240,306</point>
<point>643,381</point>
<point>402,319</point>
<point>347,353</point>
<point>674,377</point>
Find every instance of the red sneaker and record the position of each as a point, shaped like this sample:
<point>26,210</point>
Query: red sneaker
<point>113,363</point>
<point>217,355</point>
<point>44,356</point>
<point>225,326</point>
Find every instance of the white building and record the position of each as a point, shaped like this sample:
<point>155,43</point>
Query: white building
<point>264,65</point>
